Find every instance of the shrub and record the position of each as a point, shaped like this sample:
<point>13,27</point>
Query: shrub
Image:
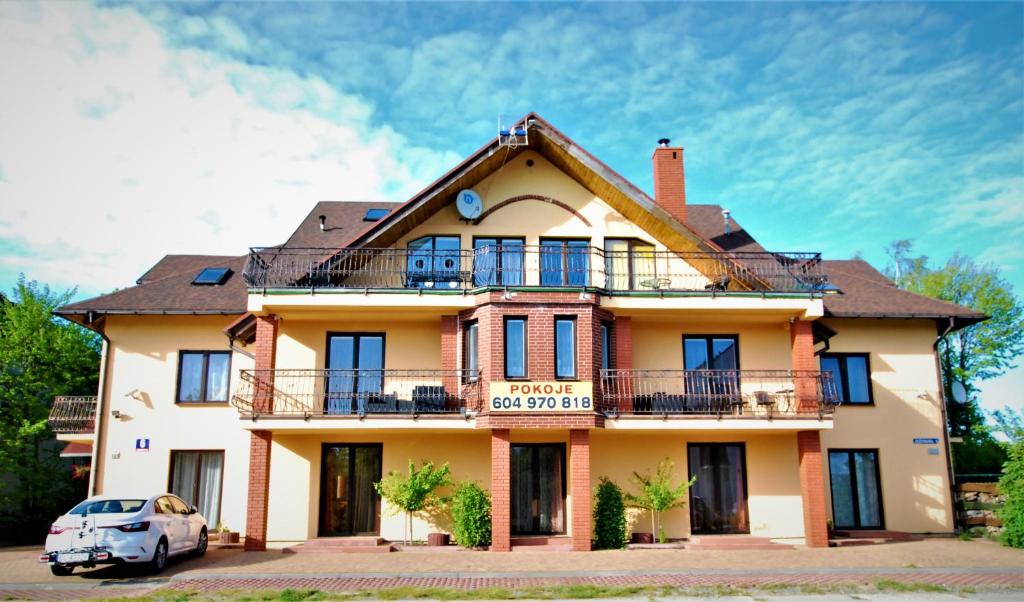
<point>609,516</point>
<point>1011,484</point>
<point>471,516</point>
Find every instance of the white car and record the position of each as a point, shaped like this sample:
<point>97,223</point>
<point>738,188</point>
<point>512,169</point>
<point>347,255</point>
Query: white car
<point>109,530</point>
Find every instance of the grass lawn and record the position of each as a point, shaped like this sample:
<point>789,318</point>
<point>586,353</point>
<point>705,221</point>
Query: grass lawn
<point>549,592</point>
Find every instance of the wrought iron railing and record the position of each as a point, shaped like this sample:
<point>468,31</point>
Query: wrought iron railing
<point>73,415</point>
<point>502,266</point>
<point>322,392</point>
<point>743,393</point>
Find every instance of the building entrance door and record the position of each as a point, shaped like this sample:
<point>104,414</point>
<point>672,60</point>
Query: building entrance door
<point>718,500</point>
<point>538,489</point>
<point>349,505</point>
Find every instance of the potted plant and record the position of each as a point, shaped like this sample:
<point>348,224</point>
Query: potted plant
<point>657,495</point>
<point>225,535</point>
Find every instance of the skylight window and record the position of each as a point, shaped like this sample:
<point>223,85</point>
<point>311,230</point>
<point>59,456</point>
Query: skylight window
<point>373,215</point>
<point>212,276</point>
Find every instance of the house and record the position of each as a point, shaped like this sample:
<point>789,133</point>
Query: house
<point>538,322</point>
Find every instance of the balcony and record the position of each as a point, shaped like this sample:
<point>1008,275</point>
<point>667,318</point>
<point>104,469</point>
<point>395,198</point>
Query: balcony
<point>542,266</point>
<point>356,393</point>
<point>73,415</point>
<point>761,394</point>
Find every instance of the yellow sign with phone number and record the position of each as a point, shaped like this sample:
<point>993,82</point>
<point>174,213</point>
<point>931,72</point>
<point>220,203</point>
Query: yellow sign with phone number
<point>541,396</point>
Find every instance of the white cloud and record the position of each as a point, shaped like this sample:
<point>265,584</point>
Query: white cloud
<point>118,148</point>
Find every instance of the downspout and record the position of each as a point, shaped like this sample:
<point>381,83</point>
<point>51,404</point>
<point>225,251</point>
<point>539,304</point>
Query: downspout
<point>945,424</point>
<point>101,422</point>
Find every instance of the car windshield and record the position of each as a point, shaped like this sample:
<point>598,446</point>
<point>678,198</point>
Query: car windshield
<point>108,507</point>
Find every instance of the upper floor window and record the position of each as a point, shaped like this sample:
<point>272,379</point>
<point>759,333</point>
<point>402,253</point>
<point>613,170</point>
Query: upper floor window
<point>498,261</point>
<point>629,265</point>
<point>203,376</point>
<point>515,347</point>
<point>851,373</point>
<point>710,352</point>
<point>434,262</point>
<point>565,347</point>
<point>564,262</point>
<point>471,351</point>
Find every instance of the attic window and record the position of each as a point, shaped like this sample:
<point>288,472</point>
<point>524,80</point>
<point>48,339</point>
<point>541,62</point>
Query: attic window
<point>212,276</point>
<point>373,215</point>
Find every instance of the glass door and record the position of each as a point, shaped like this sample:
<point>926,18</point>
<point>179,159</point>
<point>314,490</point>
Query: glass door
<point>856,494</point>
<point>196,477</point>
<point>498,261</point>
<point>718,500</point>
<point>349,505</point>
<point>538,489</point>
<point>712,381</point>
<point>355,371</point>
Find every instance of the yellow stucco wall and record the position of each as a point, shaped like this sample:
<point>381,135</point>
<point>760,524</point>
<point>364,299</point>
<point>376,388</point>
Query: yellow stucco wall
<point>294,503</point>
<point>142,385</point>
<point>534,219</point>
<point>411,341</point>
<point>658,342</point>
<point>915,485</point>
<point>773,486</point>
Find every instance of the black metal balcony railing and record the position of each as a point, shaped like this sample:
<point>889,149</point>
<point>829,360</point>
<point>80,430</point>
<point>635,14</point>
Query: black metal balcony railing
<point>308,393</point>
<point>747,393</point>
<point>73,415</point>
<point>502,266</point>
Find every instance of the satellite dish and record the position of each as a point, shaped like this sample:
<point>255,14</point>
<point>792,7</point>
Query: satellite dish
<point>469,203</point>
<point>959,392</point>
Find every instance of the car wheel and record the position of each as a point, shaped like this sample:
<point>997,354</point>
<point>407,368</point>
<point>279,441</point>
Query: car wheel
<point>61,570</point>
<point>159,560</point>
<point>203,543</point>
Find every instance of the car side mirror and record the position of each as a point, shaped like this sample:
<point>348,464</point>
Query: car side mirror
<point>193,510</point>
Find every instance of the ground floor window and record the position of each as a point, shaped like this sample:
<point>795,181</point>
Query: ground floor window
<point>196,477</point>
<point>538,489</point>
<point>349,504</point>
<point>718,500</point>
<point>856,493</point>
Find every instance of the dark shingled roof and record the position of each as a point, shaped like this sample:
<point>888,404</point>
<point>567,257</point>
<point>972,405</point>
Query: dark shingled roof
<point>707,220</point>
<point>867,293</point>
<point>344,221</point>
<point>167,288</point>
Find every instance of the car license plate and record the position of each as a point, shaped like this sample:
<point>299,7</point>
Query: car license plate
<point>67,557</point>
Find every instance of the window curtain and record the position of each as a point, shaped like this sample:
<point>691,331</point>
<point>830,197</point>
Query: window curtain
<point>196,479</point>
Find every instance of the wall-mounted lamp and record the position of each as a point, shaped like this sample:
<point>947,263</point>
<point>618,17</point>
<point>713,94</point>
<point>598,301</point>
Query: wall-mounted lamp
<point>115,413</point>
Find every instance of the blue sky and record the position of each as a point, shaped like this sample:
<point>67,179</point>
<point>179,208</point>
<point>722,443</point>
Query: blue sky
<point>128,132</point>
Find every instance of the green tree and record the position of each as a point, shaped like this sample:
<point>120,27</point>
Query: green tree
<point>40,357</point>
<point>657,495</point>
<point>1011,484</point>
<point>609,516</point>
<point>414,492</point>
<point>972,354</point>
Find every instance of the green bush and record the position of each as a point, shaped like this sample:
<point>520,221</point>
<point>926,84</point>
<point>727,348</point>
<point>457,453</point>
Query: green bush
<point>609,516</point>
<point>471,516</point>
<point>1011,484</point>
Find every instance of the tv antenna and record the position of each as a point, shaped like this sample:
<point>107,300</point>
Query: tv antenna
<point>514,136</point>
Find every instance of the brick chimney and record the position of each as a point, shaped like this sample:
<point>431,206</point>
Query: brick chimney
<point>669,181</point>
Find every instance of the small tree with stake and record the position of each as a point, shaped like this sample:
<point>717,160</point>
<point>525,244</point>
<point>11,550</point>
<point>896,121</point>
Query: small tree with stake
<point>414,492</point>
<point>657,494</point>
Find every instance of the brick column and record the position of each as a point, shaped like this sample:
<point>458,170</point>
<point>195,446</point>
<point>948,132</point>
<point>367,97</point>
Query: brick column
<point>812,488</point>
<point>259,487</point>
<point>805,386</point>
<point>579,467</point>
<point>266,358</point>
<point>622,343</point>
<point>501,491</point>
<point>450,354</point>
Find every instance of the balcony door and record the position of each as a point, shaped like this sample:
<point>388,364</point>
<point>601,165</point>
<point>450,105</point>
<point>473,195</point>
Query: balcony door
<point>349,505</point>
<point>712,383</point>
<point>856,492</point>
<point>718,500</point>
<point>498,261</point>
<point>355,371</point>
<point>538,489</point>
